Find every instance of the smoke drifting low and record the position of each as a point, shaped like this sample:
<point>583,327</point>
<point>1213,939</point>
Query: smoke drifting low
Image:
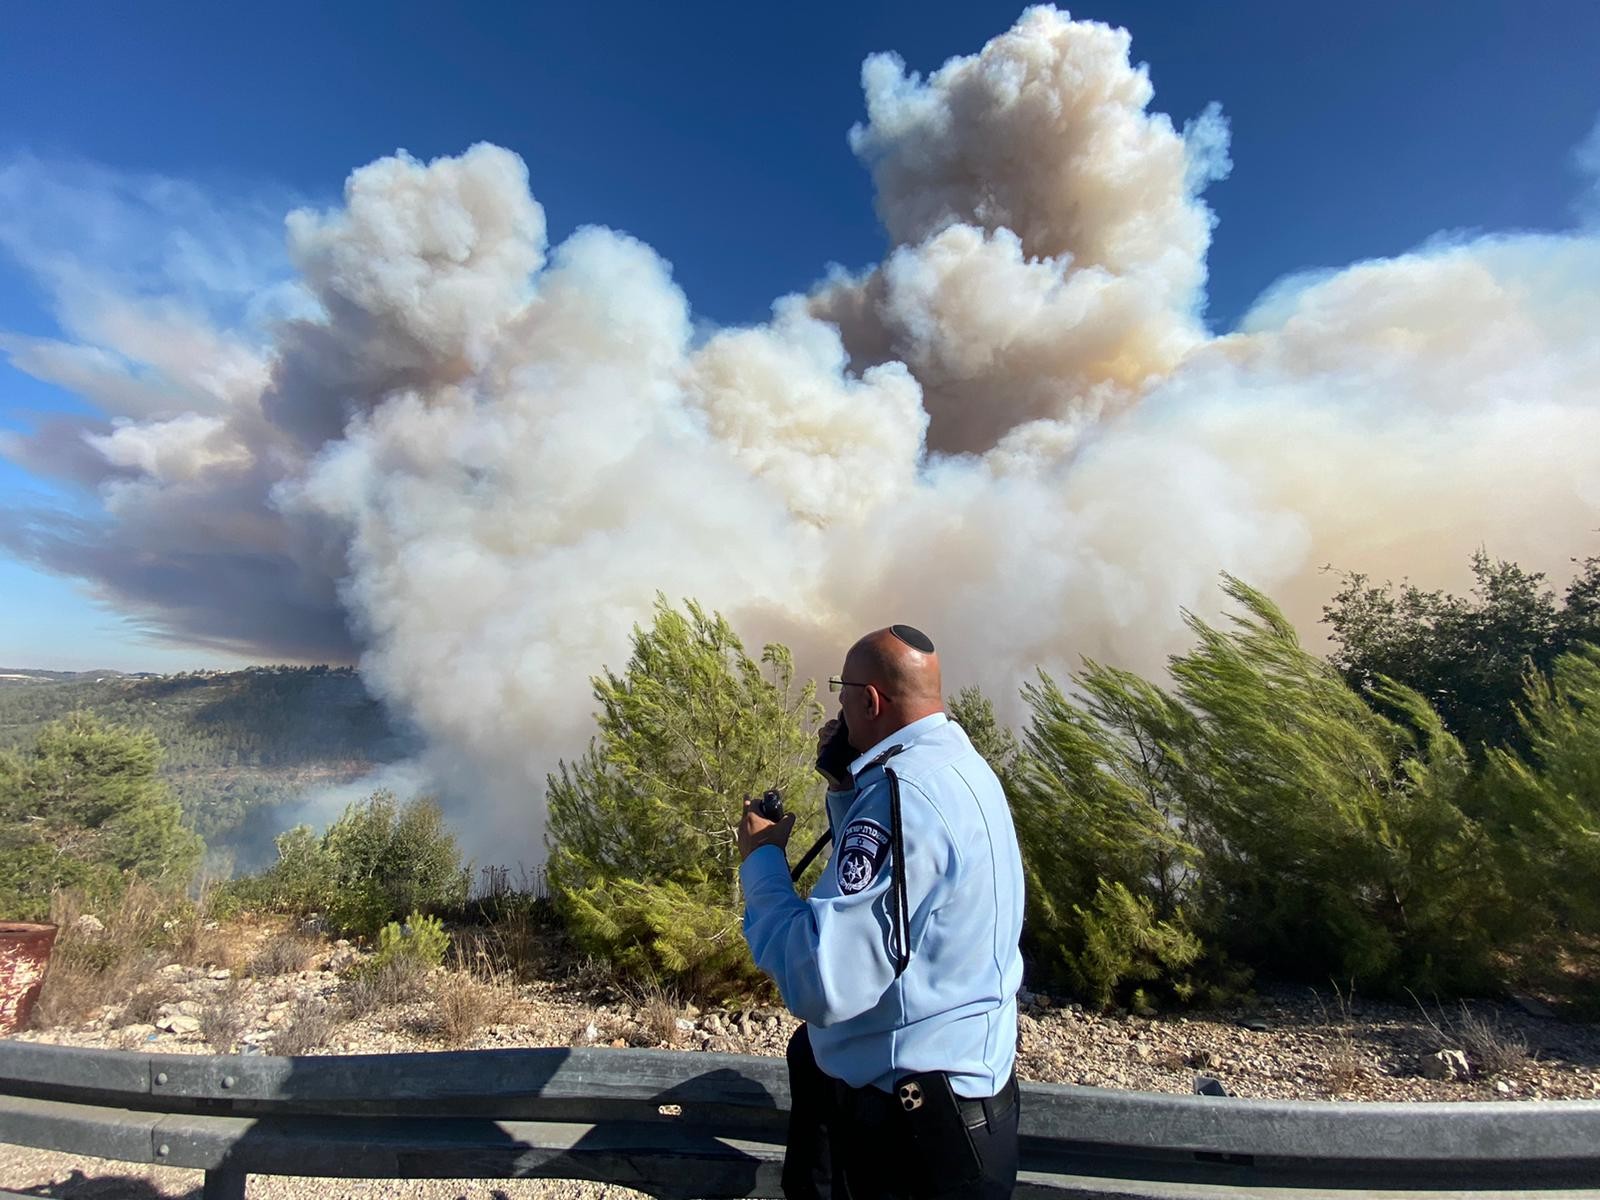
<point>473,459</point>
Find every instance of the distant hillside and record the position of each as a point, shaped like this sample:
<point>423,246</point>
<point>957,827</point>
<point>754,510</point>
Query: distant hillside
<point>25,675</point>
<point>238,743</point>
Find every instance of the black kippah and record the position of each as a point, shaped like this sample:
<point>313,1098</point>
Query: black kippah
<point>913,637</point>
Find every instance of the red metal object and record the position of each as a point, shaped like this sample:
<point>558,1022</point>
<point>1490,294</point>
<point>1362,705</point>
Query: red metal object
<point>24,957</point>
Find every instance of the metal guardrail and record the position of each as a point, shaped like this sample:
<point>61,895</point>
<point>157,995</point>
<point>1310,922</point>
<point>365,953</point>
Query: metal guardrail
<point>677,1125</point>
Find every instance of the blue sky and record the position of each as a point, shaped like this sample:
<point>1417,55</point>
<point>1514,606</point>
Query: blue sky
<point>1358,131</point>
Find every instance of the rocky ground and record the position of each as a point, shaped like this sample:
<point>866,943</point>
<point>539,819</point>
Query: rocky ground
<point>1290,1043</point>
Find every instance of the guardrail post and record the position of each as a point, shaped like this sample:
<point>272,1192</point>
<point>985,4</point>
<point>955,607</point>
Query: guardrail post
<point>224,1183</point>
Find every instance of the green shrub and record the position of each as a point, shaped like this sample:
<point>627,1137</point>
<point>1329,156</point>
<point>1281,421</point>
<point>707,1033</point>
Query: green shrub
<point>388,860</point>
<point>421,939</point>
<point>398,971</point>
<point>1123,943</point>
<point>378,861</point>
<point>644,869</point>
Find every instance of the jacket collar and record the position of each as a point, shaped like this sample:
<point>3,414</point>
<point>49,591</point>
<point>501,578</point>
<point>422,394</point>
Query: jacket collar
<point>904,736</point>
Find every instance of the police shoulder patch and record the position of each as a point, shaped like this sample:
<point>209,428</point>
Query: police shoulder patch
<point>862,851</point>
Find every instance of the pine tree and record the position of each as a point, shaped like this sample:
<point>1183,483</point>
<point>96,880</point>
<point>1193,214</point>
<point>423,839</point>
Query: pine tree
<point>974,712</point>
<point>1334,837</point>
<point>1263,812</point>
<point>1102,818</point>
<point>84,808</point>
<point>643,862</point>
<point>1548,809</point>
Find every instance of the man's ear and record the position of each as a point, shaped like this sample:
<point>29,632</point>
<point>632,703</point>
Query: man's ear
<point>874,701</point>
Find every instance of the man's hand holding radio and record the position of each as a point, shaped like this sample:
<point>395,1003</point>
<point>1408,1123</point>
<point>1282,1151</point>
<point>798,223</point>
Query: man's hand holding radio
<point>755,830</point>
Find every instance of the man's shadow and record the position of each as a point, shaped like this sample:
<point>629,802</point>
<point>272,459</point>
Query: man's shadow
<point>510,1114</point>
<point>79,1186</point>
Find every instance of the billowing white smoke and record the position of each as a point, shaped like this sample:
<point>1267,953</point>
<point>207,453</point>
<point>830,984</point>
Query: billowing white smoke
<point>1049,245</point>
<point>476,460</point>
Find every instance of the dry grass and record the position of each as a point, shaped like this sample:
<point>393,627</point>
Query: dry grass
<point>308,1027</point>
<point>196,940</point>
<point>147,929</point>
<point>1346,1065</point>
<point>477,991</point>
<point>466,1004</point>
<point>1492,1047</point>
<point>518,943</point>
<point>379,985</point>
<point>590,976</point>
<point>657,1010</point>
<point>283,954</point>
<point>223,1017</point>
<point>91,970</point>
<point>144,1006</point>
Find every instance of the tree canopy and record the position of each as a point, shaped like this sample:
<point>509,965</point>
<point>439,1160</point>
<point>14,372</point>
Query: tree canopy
<point>643,861</point>
<point>1467,656</point>
<point>83,807</point>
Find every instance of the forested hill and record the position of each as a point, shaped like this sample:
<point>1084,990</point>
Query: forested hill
<point>236,742</point>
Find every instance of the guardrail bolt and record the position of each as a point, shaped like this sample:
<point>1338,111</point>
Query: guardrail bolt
<point>163,1150</point>
<point>227,1081</point>
<point>161,1077</point>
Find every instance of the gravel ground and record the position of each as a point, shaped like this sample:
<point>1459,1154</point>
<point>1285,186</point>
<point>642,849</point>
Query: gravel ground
<point>1291,1043</point>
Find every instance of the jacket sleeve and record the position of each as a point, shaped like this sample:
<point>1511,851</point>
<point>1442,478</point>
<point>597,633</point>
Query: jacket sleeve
<point>830,954</point>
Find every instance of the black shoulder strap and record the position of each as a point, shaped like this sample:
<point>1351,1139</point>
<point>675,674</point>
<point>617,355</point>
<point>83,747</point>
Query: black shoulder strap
<point>900,913</point>
<point>799,868</point>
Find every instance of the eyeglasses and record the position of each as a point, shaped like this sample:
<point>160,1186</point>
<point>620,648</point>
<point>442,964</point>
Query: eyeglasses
<point>837,685</point>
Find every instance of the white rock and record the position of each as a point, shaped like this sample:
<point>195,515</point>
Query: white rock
<point>683,1026</point>
<point>173,970</point>
<point>1446,1064</point>
<point>591,1032</point>
<point>178,1023</point>
<point>219,973</point>
<point>88,923</point>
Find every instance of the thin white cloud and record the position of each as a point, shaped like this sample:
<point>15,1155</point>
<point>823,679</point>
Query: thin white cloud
<point>1586,157</point>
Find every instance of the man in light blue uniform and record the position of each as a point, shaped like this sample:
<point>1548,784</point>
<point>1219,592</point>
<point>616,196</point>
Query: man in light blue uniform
<point>902,1077</point>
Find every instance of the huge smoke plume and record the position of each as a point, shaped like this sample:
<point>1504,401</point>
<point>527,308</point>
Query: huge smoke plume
<point>472,460</point>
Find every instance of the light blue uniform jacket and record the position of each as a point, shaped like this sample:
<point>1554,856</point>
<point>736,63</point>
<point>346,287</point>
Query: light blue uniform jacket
<point>832,955</point>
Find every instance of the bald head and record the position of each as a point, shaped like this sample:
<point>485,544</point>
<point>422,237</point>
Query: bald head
<point>894,661</point>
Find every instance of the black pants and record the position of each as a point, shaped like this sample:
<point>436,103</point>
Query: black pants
<point>854,1143</point>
